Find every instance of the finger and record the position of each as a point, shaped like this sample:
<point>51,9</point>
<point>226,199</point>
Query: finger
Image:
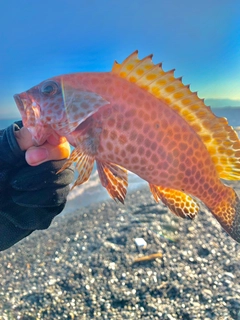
<point>24,138</point>
<point>47,152</point>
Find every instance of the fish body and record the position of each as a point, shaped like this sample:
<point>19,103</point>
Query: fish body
<point>143,135</point>
<point>139,118</point>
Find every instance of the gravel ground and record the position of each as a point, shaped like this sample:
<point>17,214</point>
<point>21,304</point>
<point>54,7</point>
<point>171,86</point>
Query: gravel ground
<point>84,267</point>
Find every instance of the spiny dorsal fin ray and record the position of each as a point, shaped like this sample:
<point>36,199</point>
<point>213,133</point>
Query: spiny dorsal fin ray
<point>219,138</point>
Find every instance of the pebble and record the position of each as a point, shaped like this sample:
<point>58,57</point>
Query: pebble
<point>140,243</point>
<point>81,267</point>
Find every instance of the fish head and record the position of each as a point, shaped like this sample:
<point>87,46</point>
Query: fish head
<point>56,104</point>
<point>40,108</point>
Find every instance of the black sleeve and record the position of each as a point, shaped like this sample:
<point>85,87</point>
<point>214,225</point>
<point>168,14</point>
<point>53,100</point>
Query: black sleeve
<point>30,197</point>
<point>11,154</point>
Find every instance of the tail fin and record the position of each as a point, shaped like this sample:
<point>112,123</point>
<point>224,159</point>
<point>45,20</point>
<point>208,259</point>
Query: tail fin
<point>228,215</point>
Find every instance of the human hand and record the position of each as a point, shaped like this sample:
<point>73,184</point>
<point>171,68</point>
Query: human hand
<point>37,184</point>
<point>32,193</point>
<point>55,148</point>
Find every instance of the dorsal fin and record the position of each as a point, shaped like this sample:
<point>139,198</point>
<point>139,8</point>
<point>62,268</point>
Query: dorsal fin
<point>218,136</point>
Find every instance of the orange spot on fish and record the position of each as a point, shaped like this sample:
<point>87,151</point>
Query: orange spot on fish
<point>169,89</point>
<point>123,74</point>
<point>132,79</point>
<point>155,90</point>
<point>161,82</point>
<point>151,76</point>
<point>186,101</point>
<point>129,67</point>
<point>148,66</point>
<point>140,72</point>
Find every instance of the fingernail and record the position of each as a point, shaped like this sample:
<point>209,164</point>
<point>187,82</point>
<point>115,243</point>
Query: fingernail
<point>35,156</point>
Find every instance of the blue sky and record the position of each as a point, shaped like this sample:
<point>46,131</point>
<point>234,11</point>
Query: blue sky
<point>40,39</point>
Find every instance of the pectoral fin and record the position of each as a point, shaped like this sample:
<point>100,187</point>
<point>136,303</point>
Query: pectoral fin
<point>181,204</point>
<point>114,178</point>
<point>84,165</point>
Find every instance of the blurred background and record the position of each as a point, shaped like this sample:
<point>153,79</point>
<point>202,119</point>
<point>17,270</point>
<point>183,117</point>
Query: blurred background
<point>81,268</point>
<point>41,39</point>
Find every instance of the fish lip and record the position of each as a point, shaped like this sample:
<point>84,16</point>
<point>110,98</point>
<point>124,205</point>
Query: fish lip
<point>18,101</point>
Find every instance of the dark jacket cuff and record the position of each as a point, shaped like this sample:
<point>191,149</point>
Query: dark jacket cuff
<point>10,150</point>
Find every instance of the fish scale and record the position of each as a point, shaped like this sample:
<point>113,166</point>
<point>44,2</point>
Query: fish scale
<point>140,118</point>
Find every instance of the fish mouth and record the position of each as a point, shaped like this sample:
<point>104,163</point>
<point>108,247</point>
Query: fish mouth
<point>18,101</point>
<point>31,118</point>
<point>23,102</point>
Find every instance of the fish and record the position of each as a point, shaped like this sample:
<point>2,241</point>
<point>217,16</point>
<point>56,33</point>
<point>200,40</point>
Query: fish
<point>142,119</point>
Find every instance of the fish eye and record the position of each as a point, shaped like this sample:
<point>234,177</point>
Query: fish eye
<point>49,88</point>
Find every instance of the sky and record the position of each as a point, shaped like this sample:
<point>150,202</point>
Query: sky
<point>41,39</point>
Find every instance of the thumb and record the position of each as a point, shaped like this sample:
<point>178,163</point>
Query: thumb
<point>47,152</point>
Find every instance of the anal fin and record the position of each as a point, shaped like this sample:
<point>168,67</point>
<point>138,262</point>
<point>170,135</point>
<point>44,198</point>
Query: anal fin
<point>181,204</point>
<point>114,178</point>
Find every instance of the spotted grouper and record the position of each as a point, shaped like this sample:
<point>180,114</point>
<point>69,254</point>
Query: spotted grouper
<point>142,119</point>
